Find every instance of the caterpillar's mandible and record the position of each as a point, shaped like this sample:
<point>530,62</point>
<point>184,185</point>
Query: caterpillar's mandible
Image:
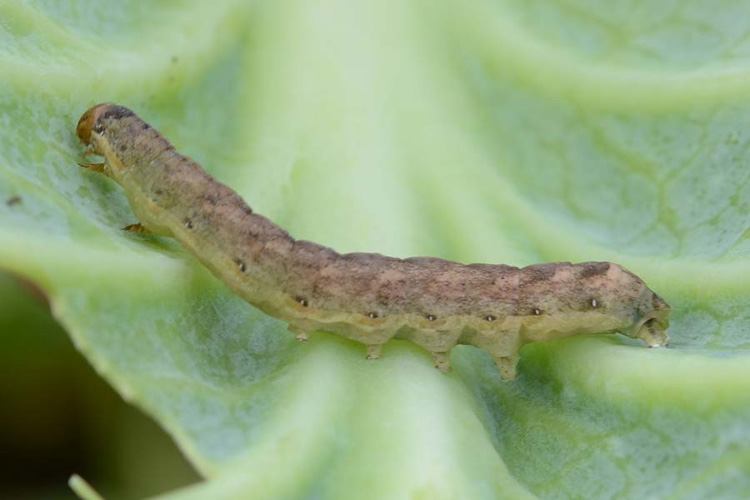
<point>366,297</point>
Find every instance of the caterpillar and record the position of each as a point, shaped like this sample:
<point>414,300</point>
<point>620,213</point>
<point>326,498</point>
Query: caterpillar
<point>366,297</point>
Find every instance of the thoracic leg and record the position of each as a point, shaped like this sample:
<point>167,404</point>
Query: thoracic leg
<point>94,167</point>
<point>507,365</point>
<point>442,361</point>
<point>136,228</point>
<point>373,351</point>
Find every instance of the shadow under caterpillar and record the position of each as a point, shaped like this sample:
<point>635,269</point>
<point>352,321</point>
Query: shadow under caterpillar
<point>367,297</point>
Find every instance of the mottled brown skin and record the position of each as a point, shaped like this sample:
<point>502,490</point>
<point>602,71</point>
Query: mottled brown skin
<point>366,297</point>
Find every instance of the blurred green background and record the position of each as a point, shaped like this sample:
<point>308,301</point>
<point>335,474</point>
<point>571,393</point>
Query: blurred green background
<point>59,417</point>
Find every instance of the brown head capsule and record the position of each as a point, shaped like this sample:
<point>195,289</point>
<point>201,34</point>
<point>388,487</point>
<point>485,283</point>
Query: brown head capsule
<point>87,122</point>
<point>95,119</point>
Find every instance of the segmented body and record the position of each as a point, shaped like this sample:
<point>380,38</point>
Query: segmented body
<point>367,297</point>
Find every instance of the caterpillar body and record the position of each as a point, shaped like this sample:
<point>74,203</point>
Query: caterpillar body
<point>366,297</point>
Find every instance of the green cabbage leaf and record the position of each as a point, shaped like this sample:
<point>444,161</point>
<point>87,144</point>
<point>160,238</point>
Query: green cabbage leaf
<point>498,131</point>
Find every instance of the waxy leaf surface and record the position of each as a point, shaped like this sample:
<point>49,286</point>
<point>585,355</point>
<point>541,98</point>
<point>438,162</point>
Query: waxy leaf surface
<point>481,131</point>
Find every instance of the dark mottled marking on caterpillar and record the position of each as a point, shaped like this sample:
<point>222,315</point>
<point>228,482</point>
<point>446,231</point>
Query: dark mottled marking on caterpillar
<point>594,269</point>
<point>367,297</point>
<point>117,112</point>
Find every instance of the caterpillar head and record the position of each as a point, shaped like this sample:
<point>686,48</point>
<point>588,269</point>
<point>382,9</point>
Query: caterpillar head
<point>102,129</point>
<point>96,120</point>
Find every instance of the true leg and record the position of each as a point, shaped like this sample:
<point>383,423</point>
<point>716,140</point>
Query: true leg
<point>94,167</point>
<point>136,228</point>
